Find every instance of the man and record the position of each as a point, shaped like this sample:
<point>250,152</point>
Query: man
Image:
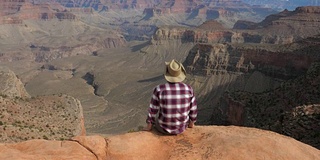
<point>175,102</point>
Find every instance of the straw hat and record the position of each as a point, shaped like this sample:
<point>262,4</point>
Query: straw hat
<point>175,72</point>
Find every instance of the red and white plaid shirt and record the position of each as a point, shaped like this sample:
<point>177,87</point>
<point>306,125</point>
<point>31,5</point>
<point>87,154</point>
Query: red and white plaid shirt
<point>177,105</point>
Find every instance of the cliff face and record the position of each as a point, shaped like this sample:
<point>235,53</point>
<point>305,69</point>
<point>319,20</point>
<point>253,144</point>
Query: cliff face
<point>47,117</point>
<point>210,9</point>
<point>292,109</point>
<point>198,143</point>
<point>211,59</point>
<point>283,28</point>
<point>191,35</point>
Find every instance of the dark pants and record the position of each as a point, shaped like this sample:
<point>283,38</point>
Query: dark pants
<point>159,128</point>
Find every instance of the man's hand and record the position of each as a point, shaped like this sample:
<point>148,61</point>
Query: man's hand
<point>191,124</point>
<point>148,127</point>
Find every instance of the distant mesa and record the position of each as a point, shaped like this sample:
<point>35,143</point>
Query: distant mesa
<point>211,25</point>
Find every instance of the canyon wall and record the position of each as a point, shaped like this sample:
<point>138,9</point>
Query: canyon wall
<point>257,62</point>
<point>283,28</point>
<point>270,83</point>
<point>291,109</point>
<point>14,12</point>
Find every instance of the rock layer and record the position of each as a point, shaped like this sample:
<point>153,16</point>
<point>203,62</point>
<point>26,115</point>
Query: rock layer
<point>283,28</point>
<point>14,12</point>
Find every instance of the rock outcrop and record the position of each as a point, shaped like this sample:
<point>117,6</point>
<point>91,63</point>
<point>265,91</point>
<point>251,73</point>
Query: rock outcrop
<point>10,85</point>
<point>47,117</point>
<point>212,142</point>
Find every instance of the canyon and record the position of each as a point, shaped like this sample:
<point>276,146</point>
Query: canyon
<point>93,65</point>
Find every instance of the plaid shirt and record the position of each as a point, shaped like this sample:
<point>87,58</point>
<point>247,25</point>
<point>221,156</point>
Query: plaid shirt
<point>177,105</point>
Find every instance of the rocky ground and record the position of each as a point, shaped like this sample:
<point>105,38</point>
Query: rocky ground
<point>44,117</point>
<point>201,142</point>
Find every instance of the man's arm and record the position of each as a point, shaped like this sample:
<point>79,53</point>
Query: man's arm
<point>148,127</point>
<point>193,112</point>
<point>152,111</point>
<point>191,124</point>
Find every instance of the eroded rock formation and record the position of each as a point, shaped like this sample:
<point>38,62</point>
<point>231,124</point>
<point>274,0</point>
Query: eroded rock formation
<point>283,28</point>
<point>10,85</point>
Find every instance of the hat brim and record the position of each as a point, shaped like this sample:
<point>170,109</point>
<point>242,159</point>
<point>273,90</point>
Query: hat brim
<point>179,78</point>
<point>175,79</point>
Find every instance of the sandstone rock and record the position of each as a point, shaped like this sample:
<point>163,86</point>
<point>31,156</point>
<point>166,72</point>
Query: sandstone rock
<point>201,142</point>
<point>43,149</point>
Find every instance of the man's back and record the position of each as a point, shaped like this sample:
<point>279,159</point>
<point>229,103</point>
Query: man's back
<point>177,105</point>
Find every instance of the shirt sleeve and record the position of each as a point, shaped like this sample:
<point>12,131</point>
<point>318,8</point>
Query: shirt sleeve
<point>153,107</point>
<point>193,109</point>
